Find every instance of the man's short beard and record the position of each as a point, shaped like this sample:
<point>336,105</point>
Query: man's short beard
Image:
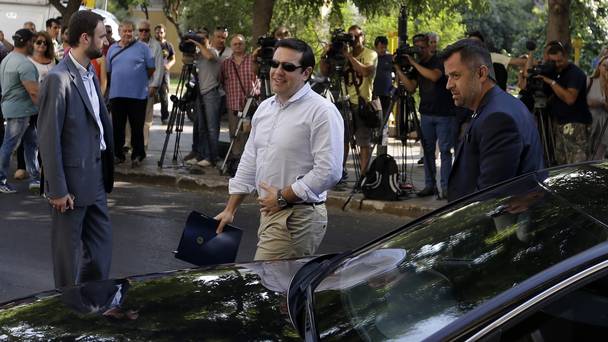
<point>93,53</point>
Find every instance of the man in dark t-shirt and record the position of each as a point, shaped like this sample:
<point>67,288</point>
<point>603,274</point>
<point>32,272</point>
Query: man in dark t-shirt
<point>567,106</point>
<point>169,61</point>
<point>436,112</point>
<point>383,83</point>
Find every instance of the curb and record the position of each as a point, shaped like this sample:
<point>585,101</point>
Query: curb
<point>411,208</point>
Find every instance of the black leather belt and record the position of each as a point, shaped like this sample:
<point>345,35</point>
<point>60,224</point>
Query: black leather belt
<point>312,204</point>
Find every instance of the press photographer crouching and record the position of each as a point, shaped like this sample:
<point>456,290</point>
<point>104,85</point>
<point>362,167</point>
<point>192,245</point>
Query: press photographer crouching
<point>418,67</point>
<point>566,93</point>
<point>359,72</point>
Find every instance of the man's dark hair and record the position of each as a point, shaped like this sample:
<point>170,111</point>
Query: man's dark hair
<point>421,37</point>
<point>22,37</point>
<point>476,34</point>
<point>82,22</point>
<point>308,57</point>
<point>381,40</point>
<point>555,47</point>
<point>50,22</point>
<point>473,53</point>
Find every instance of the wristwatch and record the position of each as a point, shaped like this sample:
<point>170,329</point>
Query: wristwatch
<point>281,201</point>
<point>553,83</point>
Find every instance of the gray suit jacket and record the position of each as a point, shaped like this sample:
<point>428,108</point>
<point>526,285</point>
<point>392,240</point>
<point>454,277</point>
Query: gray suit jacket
<point>69,136</point>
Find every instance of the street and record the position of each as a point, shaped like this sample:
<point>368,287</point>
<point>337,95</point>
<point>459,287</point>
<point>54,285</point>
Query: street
<point>147,225</point>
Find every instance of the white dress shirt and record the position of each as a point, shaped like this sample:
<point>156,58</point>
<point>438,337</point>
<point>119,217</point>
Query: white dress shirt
<point>89,84</point>
<point>298,143</point>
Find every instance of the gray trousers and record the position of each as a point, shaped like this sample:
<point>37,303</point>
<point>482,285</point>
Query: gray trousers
<point>81,241</point>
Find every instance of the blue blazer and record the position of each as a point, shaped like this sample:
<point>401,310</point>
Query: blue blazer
<point>68,136</point>
<point>501,142</point>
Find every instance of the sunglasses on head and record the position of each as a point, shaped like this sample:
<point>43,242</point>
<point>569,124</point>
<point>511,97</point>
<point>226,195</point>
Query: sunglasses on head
<point>144,30</point>
<point>289,67</point>
<point>40,42</point>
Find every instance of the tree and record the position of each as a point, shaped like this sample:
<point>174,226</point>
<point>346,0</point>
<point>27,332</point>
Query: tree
<point>558,25</point>
<point>66,11</point>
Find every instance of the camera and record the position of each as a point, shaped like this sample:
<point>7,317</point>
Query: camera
<point>188,47</point>
<point>402,60</point>
<point>266,44</point>
<point>335,54</point>
<point>535,84</point>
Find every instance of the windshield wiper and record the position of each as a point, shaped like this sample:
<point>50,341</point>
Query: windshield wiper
<point>300,297</point>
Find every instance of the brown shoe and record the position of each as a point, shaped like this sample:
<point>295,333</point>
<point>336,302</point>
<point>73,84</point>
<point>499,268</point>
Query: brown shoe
<point>21,174</point>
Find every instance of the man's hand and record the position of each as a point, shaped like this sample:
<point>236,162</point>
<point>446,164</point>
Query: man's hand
<point>269,204</point>
<point>62,204</point>
<point>225,217</point>
<point>545,79</point>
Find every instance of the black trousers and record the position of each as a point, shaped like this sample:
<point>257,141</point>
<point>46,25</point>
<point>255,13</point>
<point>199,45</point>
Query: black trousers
<point>135,111</point>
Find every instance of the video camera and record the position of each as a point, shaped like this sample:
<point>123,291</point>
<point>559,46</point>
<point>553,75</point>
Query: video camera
<point>536,84</point>
<point>266,53</point>
<point>335,54</point>
<point>401,57</point>
<point>188,47</point>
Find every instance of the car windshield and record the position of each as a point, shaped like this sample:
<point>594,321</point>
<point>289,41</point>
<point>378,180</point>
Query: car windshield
<point>418,280</point>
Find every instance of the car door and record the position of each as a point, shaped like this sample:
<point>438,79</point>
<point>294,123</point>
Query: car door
<point>575,309</point>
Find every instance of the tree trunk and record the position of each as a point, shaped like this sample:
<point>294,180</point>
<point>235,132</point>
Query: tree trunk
<point>67,11</point>
<point>262,14</point>
<point>558,26</point>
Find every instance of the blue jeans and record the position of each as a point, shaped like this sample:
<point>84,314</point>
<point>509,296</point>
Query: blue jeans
<point>16,130</point>
<point>209,125</point>
<point>437,128</point>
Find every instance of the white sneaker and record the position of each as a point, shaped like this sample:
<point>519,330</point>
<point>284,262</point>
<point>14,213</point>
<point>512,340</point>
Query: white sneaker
<point>204,163</point>
<point>192,161</point>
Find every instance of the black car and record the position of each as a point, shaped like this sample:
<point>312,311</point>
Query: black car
<point>526,260</point>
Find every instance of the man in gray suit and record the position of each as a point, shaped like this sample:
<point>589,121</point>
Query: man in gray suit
<point>76,147</point>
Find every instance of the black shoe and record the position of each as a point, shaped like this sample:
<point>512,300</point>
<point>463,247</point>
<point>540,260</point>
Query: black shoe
<point>135,163</point>
<point>420,161</point>
<point>119,160</point>
<point>428,191</point>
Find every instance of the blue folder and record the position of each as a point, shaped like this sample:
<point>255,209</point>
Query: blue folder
<point>201,246</point>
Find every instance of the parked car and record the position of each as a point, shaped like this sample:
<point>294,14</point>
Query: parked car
<point>526,260</point>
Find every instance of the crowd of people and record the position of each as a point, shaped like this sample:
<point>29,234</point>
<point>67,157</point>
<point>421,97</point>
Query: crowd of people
<point>86,102</point>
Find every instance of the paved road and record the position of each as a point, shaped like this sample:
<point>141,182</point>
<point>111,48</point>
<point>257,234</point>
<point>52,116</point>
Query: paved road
<point>147,222</point>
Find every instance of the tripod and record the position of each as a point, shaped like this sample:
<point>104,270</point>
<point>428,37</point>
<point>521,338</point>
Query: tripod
<point>407,122</point>
<point>545,130</point>
<point>183,102</point>
<point>245,116</point>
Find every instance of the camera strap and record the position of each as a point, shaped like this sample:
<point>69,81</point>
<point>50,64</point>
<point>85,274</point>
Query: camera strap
<point>236,71</point>
<point>121,51</point>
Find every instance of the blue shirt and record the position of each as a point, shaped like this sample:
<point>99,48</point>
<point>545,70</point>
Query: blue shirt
<point>16,101</point>
<point>129,71</point>
<point>384,75</point>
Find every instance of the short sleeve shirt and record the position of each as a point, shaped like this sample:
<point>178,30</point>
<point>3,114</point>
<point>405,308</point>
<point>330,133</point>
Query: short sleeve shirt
<point>209,72</point>
<point>366,57</point>
<point>129,71</point>
<point>16,101</point>
<point>435,99</point>
<point>571,77</point>
<point>384,80</point>
<point>168,51</point>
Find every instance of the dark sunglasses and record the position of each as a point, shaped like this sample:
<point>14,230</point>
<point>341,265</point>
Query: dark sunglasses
<point>289,67</point>
<point>40,42</point>
<point>144,30</point>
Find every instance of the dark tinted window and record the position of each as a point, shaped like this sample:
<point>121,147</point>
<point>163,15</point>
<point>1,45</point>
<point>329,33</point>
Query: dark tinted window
<point>416,282</point>
<point>577,315</point>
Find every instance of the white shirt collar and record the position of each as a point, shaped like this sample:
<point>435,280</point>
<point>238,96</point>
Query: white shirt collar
<point>84,72</point>
<point>295,97</point>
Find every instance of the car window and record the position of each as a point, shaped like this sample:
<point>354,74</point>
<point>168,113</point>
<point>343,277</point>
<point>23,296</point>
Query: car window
<point>579,314</point>
<point>415,282</point>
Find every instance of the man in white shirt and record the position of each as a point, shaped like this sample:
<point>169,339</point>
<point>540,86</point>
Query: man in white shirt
<point>293,156</point>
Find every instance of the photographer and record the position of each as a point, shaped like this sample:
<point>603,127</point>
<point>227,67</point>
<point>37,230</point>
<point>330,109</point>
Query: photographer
<point>208,117</point>
<point>436,111</point>
<point>360,73</point>
<point>567,105</point>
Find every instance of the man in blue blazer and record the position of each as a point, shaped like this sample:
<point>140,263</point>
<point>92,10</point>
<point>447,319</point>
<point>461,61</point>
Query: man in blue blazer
<point>76,148</point>
<point>502,140</point>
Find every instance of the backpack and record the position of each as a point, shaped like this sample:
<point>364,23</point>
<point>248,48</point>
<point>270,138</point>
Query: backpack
<point>380,181</point>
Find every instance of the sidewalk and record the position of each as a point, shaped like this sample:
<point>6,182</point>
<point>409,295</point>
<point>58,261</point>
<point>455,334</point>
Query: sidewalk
<point>176,174</point>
